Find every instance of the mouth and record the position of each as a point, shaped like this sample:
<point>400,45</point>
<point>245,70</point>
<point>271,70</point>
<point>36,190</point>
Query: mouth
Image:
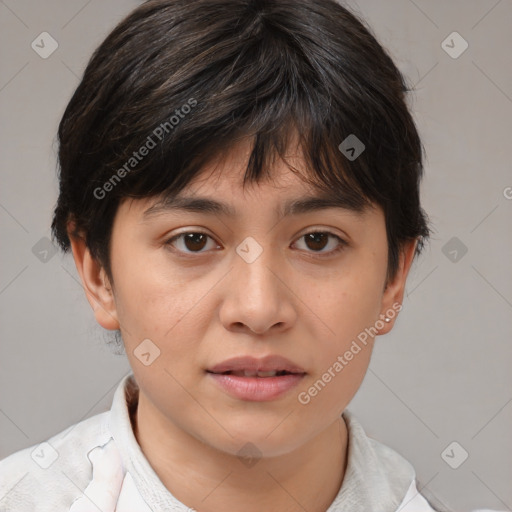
<point>258,380</point>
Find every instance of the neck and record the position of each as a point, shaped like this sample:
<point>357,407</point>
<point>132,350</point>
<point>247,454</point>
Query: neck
<point>210,480</point>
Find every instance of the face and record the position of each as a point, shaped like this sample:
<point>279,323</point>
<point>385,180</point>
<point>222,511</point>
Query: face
<point>207,287</point>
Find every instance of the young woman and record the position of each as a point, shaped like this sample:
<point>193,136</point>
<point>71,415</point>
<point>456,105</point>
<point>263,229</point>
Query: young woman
<point>239,186</point>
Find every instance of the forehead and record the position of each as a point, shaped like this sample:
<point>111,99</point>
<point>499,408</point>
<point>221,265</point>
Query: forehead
<point>224,179</point>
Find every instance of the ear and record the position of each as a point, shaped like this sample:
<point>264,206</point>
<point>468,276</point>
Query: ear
<point>95,283</point>
<point>394,292</point>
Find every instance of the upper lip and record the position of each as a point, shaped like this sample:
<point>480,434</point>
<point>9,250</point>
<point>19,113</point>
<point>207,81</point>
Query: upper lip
<point>265,364</point>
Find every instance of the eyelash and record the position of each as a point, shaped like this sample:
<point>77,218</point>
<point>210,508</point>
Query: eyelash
<point>342,243</point>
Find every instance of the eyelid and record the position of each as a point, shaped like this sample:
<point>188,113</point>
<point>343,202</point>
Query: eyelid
<point>323,229</point>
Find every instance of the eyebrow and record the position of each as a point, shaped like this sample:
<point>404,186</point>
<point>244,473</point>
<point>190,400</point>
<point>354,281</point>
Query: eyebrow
<point>296,206</point>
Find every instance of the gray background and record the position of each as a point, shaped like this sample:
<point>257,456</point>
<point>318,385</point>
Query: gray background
<point>442,375</point>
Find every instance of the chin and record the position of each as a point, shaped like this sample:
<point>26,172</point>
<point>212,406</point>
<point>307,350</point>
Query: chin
<point>255,441</point>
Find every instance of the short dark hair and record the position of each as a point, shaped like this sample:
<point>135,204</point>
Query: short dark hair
<point>198,76</point>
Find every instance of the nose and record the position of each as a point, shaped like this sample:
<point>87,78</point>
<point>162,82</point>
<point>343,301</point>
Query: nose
<point>257,297</point>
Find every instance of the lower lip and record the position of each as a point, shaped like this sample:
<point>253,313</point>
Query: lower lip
<point>257,389</point>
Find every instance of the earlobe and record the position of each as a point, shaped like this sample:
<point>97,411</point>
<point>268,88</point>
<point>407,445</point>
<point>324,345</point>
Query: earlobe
<point>394,293</point>
<point>96,285</point>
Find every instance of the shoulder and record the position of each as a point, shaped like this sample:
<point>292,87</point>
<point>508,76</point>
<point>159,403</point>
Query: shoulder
<point>50,475</point>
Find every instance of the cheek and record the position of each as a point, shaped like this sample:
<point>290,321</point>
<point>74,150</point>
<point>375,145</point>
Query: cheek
<point>159,302</point>
<point>347,303</point>
<point>347,307</point>
<point>332,389</point>
<point>341,358</point>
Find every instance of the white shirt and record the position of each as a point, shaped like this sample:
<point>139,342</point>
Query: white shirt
<point>97,464</point>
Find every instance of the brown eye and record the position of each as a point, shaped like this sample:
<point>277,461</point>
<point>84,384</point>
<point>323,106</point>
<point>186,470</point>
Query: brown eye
<point>194,241</point>
<point>189,242</point>
<point>317,241</point>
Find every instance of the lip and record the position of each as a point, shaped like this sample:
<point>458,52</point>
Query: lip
<point>256,389</point>
<point>265,364</point>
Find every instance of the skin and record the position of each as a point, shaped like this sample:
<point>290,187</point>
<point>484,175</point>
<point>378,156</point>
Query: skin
<point>213,305</point>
